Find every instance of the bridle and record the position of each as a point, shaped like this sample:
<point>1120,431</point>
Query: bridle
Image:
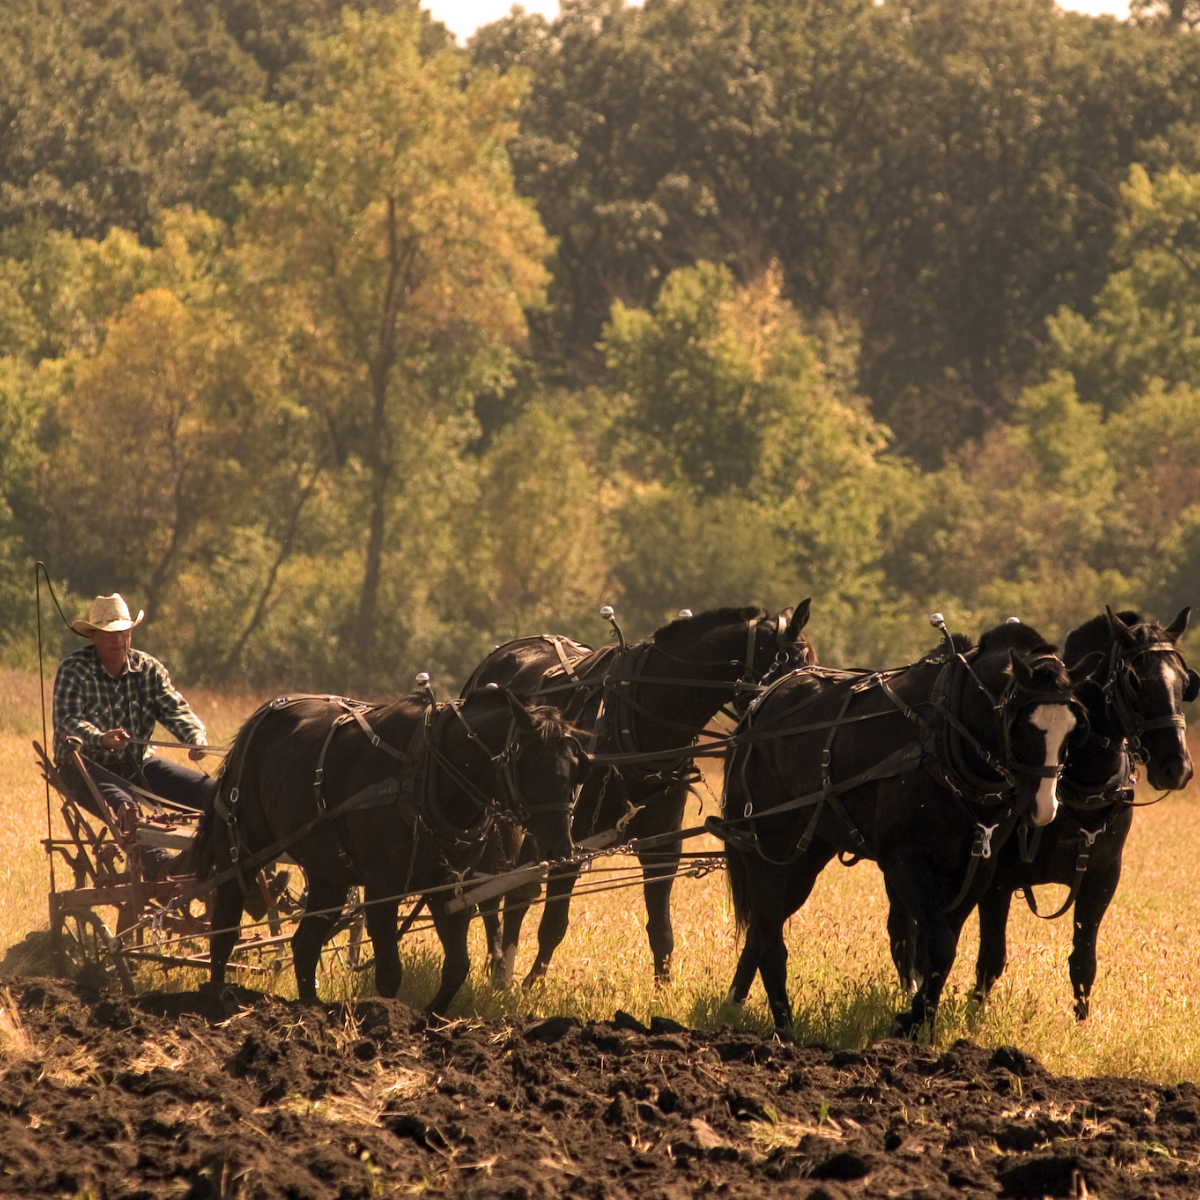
<point>786,654</point>
<point>1118,693</point>
<point>505,764</point>
<point>619,684</point>
<point>1007,709</point>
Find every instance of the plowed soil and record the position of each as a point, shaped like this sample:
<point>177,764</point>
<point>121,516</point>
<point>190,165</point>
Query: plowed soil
<point>172,1095</point>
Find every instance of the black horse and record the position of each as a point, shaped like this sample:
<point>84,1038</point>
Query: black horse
<point>1134,709</point>
<point>644,705</point>
<point>925,769</point>
<point>399,799</point>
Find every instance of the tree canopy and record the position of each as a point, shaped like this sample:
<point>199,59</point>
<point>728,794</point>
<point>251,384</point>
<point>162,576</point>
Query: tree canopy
<point>347,352</point>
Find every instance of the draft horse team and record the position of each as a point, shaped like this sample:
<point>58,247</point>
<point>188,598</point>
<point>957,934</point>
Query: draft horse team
<point>980,770</point>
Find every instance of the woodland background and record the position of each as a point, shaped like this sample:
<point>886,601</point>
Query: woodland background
<point>347,353</point>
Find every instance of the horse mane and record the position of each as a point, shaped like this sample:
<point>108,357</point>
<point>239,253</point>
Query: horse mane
<point>1015,636</point>
<point>706,622</point>
<point>960,641</point>
<point>550,722</point>
<point>1097,635</point>
<point>1048,670</point>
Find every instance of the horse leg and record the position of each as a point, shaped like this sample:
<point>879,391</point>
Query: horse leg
<point>555,918</point>
<point>1095,894</point>
<point>516,905</point>
<point>916,888</point>
<point>381,929</point>
<point>747,968</point>
<point>659,869</point>
<point>993,938</point>
<point>489,913</point>
<point>795,889</point>
<point>226,920</point>
<point>902,938</point>
<point>310,935</point>
<point>452,933</point>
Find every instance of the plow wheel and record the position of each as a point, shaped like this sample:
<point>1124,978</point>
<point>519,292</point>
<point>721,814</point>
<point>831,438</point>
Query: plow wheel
<point>81,940</point>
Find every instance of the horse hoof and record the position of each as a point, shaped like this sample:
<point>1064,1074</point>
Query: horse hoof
<point>907,1025</point>
<point>1082,1008</point>
<point>534,976</point>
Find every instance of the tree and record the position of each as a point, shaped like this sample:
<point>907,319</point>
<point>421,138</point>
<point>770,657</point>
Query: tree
<point>741,429</point>
<point>940,173</point>
<point>87,141</point>
<point>392,253</point>
<point>1145,330</point>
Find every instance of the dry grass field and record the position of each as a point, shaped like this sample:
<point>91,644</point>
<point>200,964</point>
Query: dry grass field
<point>1144,1012</point>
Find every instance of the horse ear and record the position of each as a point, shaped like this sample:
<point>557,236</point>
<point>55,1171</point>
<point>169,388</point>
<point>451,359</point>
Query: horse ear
<point>1020,669</point>
<point>1086,667</point>
<point>799,619</point>
<point>1176,628</point>
<point>1119,629</point>
<point>523,717</point>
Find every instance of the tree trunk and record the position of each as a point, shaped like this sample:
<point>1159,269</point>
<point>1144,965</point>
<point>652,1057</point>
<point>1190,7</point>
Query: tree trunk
<point>379,464</point>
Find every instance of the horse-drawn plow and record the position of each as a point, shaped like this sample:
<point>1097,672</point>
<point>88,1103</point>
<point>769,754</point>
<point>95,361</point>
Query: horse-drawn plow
<point>158,920</point>
<point>930,770</point>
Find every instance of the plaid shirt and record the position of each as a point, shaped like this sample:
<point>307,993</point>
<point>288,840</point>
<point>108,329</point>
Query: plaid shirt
<point>88,702</point>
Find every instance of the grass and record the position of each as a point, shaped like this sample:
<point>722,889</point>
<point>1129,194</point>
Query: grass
<point>1145,1003</point>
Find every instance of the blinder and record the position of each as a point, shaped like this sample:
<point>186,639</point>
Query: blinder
<point>506,763</point>
<point>1015,700</point>
<point>1083,726</point>
<point>1123,685</point>
<point>788,654</point>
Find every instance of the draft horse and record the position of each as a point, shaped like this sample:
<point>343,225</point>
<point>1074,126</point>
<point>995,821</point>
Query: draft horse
<point>1134,708</point>
<point>644,706</point>
<point>925,770</point>
<point>398,799</point>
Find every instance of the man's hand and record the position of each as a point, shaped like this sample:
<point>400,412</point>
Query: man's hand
<point>199,752</point>
<point>114,739</point>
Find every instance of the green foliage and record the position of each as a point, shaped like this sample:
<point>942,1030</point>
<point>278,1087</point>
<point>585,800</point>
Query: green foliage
<point>267,272</point>
<point>1146,327</point>
<point>22,397</point>
<point>392,257</point>
<point>939,173</point>
<point>86,140</point>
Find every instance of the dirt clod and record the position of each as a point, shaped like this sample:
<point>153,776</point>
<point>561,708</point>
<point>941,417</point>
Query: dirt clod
<point>238,1094</point>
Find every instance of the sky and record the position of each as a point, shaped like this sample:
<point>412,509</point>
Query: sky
<point>463,16</point>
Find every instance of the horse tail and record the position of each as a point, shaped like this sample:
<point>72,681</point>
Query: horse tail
<point>205,850</point>
<point>737,866</point>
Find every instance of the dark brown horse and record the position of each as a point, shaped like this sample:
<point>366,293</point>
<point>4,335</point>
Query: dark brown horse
<point>644,706</point>
<point>399,799</point>
<point>925,770</point>
<point>1134,707</point>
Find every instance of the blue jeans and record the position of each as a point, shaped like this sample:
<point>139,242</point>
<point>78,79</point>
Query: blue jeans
<point>165,778</point>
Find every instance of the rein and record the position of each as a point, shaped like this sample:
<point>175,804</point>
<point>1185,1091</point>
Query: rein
<point>939,750</point>
<point>427,815</point>
<point>1117,694</point>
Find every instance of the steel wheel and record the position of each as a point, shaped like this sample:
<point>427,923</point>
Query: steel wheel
<point>81,940</point>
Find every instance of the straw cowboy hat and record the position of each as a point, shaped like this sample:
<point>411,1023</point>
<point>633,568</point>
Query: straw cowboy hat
<point>108,614</point>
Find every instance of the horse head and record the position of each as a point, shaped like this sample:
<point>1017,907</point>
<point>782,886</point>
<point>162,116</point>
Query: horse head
<point>1022,715</point>
<point>539,764</point>
<point>1140,694</point>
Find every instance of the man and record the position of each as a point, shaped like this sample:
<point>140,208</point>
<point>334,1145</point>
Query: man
<point>109,697</point>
